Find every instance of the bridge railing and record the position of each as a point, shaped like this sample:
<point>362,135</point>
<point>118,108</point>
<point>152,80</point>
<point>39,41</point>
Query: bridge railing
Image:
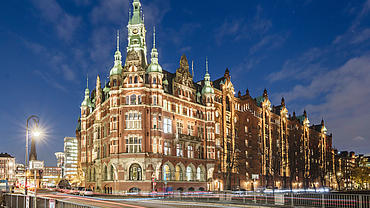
<point>19,201</point>
<point>329,200</point>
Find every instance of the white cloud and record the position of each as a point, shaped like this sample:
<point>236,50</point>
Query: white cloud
<point>65,24</point>
<point>345,100</point>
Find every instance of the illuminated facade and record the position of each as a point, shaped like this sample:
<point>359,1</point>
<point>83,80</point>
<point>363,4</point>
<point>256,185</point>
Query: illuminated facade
<point>151,129</point>
<point>70,159</point>
<point>7,168</point>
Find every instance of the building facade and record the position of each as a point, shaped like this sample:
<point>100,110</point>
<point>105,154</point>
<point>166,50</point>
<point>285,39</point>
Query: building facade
<point>60,162</point>
<point>51,176</point>
<point>151,129</point>
<point>70,159</point>
<point>7,168</point>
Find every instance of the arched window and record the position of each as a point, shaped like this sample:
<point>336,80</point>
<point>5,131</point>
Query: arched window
<point>189,173</point>
<point>135,172</point>
<point>111,173</point>
<point>166,173</point>
<point>105,173</point>
<point>178,173</point>
<point>200,174</point>
<point>135,80</point>
<point>130,80</point>
<point>114,82</point>
<point>154,80</point>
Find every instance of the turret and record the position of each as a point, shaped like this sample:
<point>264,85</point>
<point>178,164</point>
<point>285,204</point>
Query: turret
<point>207,90</point>
<point>86,104</point>
<point>116,71</point>
<point>98,92</point>
<point>283,102</point>
<point>265,95</point>
<point>154,70</point>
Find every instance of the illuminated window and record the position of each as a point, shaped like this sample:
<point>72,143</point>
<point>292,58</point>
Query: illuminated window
<point>133,120</point>
<point>133,144</point>
<point>135,173</point>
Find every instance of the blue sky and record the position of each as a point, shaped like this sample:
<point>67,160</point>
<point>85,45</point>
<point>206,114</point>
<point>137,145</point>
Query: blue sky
<point>314,53</point>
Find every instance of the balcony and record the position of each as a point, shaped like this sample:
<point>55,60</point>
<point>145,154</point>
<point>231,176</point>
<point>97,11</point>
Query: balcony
<point>189,138</point>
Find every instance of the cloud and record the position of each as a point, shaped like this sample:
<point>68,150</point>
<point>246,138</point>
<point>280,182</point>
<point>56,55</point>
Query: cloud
<point>361,36</point>
<point>110,11</point>
<point>302,68</point>
<point>55,60</point>
<point>344,101</point>
<point>269,42</point>
<point>64,24</point>
<point>359,138</point>
<point>239,28</point>
<point>48,79</point>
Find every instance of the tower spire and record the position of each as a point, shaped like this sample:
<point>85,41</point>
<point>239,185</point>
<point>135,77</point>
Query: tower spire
<point>154,37</point>
<point>192,68</point>
<point>206,65</point>
<point>117,40</point>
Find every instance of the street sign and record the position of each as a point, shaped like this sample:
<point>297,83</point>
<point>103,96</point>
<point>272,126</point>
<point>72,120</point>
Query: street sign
<point>36,165</point>
<point>51,203</point>
<point>255,176</point>
<point>27,202</point>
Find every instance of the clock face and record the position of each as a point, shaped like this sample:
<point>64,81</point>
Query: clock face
<point>135,31</point>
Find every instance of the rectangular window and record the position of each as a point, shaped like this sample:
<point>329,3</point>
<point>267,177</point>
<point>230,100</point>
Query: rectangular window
<point>190,151</point>
<point>179,127</point>
<point>167,125</point>
<point>179,150</point>
<point>155,150</point>
<point>155,101</point>
<point>167,148</point>
<point>217,128</point>
<point>165,104</point>
<point>133,120</point>
<point>210,152</point>
<point>154,122</point>
<point>133,144</point>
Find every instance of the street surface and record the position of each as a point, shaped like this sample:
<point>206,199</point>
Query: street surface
<point>133,203</point>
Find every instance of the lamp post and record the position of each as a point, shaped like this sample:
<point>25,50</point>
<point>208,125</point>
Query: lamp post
<point>36,120</point>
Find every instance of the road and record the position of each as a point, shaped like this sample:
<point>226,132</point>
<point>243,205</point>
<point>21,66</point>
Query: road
<point>134,203</point>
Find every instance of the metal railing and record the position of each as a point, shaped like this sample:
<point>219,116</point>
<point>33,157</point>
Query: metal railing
<point>324,200</point>
<point>19,201</point>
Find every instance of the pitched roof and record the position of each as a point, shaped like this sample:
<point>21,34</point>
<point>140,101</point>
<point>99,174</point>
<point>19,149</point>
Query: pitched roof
<point>5,155</point>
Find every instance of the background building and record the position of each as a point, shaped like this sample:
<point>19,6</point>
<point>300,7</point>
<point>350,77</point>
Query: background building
<point>70,159</point>
<point>51,176</point>
<point>7,168</point>
<point>149,128</point>
<point>60,162</point>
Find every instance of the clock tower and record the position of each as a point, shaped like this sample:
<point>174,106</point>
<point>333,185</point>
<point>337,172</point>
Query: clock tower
<point>136,31</point>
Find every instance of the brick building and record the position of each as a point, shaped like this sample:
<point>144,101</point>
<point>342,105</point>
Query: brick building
<point>149,128</point>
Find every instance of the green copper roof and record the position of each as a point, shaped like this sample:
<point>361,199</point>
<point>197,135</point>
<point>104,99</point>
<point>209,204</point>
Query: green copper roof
<point>117,68</point>
<point>154,65</point>
<point>207,88</point>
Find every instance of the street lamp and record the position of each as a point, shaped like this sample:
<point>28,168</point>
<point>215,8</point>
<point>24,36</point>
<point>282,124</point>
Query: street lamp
<point>35,119</point>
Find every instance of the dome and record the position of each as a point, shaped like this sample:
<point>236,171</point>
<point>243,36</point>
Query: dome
<point>154,68</point>
<point>208,89</point>
<point>116,70</point>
